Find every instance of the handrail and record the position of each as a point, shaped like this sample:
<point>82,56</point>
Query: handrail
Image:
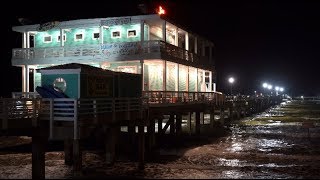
<point>170,97</point>
<point>110,49</point>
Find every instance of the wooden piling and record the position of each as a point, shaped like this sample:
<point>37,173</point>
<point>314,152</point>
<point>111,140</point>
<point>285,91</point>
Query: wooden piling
<point>110,143</point>
<point>68,150</point>
<point>141,146</point>
<point>197,123</point>
<point>189,125</point>
<point>160,125</point>
<point>178,124</point>
<point>77,158</point>
<point>172,124</point>
<point>39,142</point>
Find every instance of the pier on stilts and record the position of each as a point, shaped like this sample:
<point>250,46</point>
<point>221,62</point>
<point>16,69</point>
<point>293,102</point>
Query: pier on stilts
<point>148,118</point>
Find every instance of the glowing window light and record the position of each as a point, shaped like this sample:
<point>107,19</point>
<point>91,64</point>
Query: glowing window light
<point>161,11</point>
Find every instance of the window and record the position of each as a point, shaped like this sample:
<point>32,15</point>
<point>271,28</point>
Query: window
<point>64,38</point>
<point>132,33</point>
<point>47,39</point>
<point>116,34</point>
<point>78,37</point>
<point>95,36</point>
<point>60,84</point>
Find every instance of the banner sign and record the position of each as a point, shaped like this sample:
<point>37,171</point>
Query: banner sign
<point>112,22</point>
<point>116,49</point>
<point>48,25</point>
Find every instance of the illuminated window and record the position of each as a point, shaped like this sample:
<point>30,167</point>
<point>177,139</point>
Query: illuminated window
<point>64,38</point>
<point>47,39</point>
<point>132,33</point>
<point>95,36</point>
<point>116,34</point>
<point>60,84</point>
<point>79,37</point>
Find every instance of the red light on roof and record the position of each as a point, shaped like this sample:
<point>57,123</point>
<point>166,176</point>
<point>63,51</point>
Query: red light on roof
<point>161,11</point>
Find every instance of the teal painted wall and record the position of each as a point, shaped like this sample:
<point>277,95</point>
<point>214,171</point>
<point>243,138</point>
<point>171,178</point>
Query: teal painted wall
<point>39,39</point>
<point>71,81</point>
<point>107,33</point>
<point>88,36</point>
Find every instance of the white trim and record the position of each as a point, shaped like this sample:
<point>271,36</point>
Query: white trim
<point>75,36</point>
<point>59,71</point>
<point>44,37</point>
<point>131,30</point>
<point>95,33</point>
<point>115,31</point>
<point>64,38</point>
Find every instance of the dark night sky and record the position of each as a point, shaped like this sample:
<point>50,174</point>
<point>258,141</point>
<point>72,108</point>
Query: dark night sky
<point>256,41</point>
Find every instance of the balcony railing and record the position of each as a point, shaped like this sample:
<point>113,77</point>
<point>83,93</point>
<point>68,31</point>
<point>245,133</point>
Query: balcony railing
<point>106,51</point>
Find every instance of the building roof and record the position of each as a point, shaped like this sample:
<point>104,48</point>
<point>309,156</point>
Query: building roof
<point>97,22</point>
<point>77,67</point>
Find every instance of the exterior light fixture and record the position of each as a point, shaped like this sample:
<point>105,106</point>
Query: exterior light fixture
<point>231,81</point>
<point>161,10</point>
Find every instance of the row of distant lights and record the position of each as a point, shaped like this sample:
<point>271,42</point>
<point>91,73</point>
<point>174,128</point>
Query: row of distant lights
<point>269,86</point>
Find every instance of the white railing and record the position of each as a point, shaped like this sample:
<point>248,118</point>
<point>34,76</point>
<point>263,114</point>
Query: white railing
<point>108,50</point>
<point>65,109</point>
<point>171,97</point>
<point>18,109</point>
<point>25,95</point>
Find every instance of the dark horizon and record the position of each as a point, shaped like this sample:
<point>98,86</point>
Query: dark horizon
<point>255,42</point>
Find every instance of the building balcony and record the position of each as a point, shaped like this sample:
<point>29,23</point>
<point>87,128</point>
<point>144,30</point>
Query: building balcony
<point>122,51</point>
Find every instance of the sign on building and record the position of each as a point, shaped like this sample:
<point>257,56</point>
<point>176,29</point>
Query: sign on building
<point>48,25</point>
<point>112,22</point>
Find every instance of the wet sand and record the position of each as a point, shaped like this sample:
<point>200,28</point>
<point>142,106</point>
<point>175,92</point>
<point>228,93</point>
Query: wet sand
<point>273,144</point>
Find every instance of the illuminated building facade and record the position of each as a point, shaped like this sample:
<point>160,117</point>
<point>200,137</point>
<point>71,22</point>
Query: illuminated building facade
<point>169,57</point>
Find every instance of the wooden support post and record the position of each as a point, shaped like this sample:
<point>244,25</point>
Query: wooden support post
<point>68,152</point>
<point>189,123</point>
<point>141,146</point>
<point>222,115</point>
<point>111,138</point>
<point>202,117</point>
<point>39,142</point>
<point>77,158</point>
<point>178,124</point>
<point>197,123</point>
<point>151,133</point>
<point>131,137</point>
<point>160,125</point>
<point>212,118</point>
<point>172,124</point>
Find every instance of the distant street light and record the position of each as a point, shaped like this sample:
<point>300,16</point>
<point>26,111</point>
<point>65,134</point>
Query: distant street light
<point>269,86</point>
<point>277,89</point>
<point>281,89</point>
<point>265,85</point>
<point>231,81</point>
